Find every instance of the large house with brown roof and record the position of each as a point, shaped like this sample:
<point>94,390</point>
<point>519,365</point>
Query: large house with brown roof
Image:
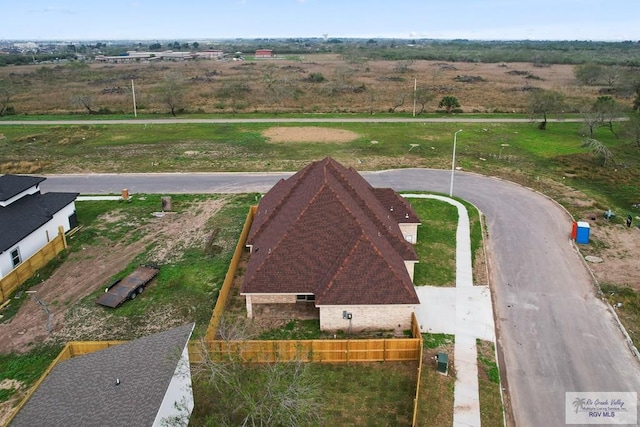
<point>327,239</point>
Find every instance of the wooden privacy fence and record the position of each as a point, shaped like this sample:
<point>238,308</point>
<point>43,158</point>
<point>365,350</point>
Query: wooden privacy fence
<point>223,296</point>
<point>415,329</point>
<point>24,271</point>
<point>329,351</point>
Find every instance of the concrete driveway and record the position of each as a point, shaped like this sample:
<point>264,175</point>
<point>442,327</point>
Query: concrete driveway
<point>555,334</point>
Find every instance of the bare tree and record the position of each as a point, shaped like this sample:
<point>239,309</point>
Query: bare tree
<point>85,101</point>
<point>608,110</point>
<point>599,150</point>
<point>6,92</point>
<point>544,102</point>
<point>632,128</point>
<point>171,92</point>
<point>281,393</point>
<point>398,101</point>
<point>423,96</point>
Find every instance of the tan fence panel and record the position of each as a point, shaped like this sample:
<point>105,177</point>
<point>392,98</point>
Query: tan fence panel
<point>79,348</point>
<point>417,334</point>
<point>223,296</point>
<point>331,351</point>
<point>27,269</point>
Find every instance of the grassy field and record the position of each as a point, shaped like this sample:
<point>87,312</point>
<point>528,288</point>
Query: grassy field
<point>435,406</point>
<point>519,152</point>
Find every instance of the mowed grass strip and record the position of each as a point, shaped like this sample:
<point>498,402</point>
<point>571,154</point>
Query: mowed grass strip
<point>435,401</point>
<point>491,410</point>
<point>436,245</point>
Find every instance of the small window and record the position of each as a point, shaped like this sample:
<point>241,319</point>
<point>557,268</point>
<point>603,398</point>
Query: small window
<point>304,298</point>
<point>15,257</point>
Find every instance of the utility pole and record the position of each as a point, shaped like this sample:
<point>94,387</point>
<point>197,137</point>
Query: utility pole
<point>415,88</point>
<point>133,91</point>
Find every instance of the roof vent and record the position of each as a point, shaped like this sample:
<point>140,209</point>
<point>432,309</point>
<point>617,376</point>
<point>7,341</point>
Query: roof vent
<point>391,209</point>
<point>269,250</point>
<point>117,381</point>
<point>406,216</point>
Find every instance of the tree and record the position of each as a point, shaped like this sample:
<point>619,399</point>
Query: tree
<point>422,97</point>
<point>85,101</point>
<point>195,45</point>
<point>172,91</point>
<point>543,102</point>
<point>636,101</point>
<point>398,101</point>
<point>155,46</point>
<point>632,128</point>
<point>6,92</point>
<point>599,150</point>
<point>279,393</point>
<point>449,103</point>
<point>588,73</point>
<point>607,110</point>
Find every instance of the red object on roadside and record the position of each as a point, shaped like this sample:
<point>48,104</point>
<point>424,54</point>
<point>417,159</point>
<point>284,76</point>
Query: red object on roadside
<point>574,230</point>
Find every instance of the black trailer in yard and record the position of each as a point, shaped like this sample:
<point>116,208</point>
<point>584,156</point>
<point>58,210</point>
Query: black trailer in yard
<point>127,288</point>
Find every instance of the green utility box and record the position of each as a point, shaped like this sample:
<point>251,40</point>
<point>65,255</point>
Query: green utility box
<point>442,363</point>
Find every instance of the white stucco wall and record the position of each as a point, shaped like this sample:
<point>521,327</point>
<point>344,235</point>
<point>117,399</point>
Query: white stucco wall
<point>36,240</point>
<point>178,400</point>
<point>371,317</point>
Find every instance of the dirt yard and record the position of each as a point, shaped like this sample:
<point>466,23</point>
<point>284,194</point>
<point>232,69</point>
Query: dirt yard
<point>301,134</point>
<point>89,268</point>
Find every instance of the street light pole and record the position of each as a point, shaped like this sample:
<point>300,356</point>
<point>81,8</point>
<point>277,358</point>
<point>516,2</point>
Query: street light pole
<point>453,162</point>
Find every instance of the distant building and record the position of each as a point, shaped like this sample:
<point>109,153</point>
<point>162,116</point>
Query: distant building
<point>264,53</point>
<point>210,54</point>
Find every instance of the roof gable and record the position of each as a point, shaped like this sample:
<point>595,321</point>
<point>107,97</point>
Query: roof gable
<point>26,215</point>
<point>12,185</point>
<point>308,228</point>
<point>83,391</point>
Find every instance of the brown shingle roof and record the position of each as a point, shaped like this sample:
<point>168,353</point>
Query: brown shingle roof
<point>324,231</point>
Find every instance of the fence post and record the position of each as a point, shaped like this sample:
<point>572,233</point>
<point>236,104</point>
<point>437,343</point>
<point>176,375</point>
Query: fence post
<point>61,233</point>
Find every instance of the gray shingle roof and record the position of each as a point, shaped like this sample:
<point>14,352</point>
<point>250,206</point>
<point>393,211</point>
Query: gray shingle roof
<point>82,391</point>
<point>12,185</point>
<point>24,216</point>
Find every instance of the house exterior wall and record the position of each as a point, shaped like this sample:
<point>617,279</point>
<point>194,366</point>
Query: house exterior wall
<point>37,239</point>
<point>409,231</point>
<point>177,403</point>
<point>252,299</point>
<point>365,317</point>
<point>410,267</point>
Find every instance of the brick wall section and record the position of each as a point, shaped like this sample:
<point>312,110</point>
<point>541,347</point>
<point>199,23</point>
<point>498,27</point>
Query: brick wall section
<point>252,299</point>
<point>366,317</point>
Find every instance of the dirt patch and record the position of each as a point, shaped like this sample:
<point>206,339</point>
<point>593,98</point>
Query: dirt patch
<point>309,134</point>
<point>91,267</point>
<point>619,248</point>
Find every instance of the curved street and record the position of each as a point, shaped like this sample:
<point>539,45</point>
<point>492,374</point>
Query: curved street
<point>556,335</point>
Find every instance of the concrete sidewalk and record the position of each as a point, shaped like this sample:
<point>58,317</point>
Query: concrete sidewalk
<point>464,311</point>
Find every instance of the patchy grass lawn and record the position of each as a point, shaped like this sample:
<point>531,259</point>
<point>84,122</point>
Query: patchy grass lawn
<point>491,410</point>
<point>435,405</point>
<point>629,309</point>
<point>364,394</point>
<point>436,245</point>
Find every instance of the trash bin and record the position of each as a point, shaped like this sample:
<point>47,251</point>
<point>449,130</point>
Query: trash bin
<point>582,234</point>
<point>442,363</point>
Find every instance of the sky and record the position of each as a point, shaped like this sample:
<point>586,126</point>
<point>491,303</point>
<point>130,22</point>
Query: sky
<point>71,20</point>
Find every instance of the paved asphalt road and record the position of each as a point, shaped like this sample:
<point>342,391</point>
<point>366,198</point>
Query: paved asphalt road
<point>555,334</point>
<point>372,119</point>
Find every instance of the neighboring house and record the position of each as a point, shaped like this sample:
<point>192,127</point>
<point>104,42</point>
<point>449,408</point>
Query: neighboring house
<point>326,237</point>
<point>264,53</point>
<point>139,383</point>
<point>30,219</point>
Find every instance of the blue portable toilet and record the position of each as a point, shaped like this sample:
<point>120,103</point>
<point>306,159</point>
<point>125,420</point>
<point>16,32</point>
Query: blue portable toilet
<point>582,235</point>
